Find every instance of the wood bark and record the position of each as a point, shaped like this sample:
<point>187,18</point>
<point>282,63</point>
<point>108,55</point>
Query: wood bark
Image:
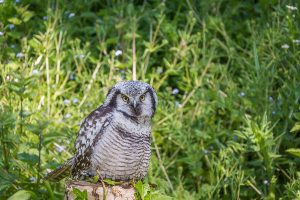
<point>96,191</point>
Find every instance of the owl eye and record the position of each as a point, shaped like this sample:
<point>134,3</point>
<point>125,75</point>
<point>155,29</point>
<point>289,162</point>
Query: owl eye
<point>142,97</point>
<point>125,98</point>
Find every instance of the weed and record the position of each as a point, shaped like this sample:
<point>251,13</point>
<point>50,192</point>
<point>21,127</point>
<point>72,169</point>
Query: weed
<point>226,73</point>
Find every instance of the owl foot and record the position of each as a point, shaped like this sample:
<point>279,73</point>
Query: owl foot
<point>127,185</point>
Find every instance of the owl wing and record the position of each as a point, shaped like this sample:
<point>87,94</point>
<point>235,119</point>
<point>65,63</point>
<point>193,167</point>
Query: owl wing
<point>91,131</point>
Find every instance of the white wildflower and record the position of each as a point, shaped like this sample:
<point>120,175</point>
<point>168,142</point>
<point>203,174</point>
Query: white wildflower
<point>118,53</point>
<point>1,33</point>
<point>291,7</point>
<point>242,94</point>
<point>266,182</point>
<point>11,26</point>
<point>175,91</point>
<point>8,78</point>
<point>68,115</point>
<point>79,56</point>
<point>20,55</point>
<point>71,15</point>
<point>271,99</point>
<point>32,179</point>
<point>296,41</point>
<point>35,72</point>
<point>66,102</point>
<point>75,100</point>
<point>285,46</point>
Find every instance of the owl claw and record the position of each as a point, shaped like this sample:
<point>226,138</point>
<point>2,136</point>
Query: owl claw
<point>127,185</point>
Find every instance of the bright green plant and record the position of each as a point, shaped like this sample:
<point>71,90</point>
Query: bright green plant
<point>226,73</point>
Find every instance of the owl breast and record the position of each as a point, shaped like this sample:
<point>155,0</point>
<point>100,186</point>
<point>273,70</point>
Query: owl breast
<point>123,151</point>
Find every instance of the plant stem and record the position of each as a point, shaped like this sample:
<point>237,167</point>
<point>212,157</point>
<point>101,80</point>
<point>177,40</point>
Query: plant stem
<point>161,163</point>
<point>21,114</point>
<point>133,53</point>
<point>39,163</point>
<point>5,154</point>
<point>48,84</point>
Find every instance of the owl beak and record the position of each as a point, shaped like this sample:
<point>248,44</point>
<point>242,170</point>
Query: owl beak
<point>135,108</point>
<point>134,104</point>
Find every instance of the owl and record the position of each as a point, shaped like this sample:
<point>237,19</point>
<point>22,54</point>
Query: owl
<point>114,140</point>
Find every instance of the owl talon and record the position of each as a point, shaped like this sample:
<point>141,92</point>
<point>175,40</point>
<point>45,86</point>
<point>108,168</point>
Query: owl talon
<point>127,185</point>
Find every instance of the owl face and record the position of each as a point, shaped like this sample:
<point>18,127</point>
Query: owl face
<point>133,98</point>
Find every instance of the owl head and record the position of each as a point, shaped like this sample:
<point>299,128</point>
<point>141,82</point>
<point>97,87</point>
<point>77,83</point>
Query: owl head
<point>132,98</point>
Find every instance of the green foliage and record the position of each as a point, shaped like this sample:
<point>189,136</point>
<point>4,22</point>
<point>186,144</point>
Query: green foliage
<point>80,195</point>
<point>226,73</point>
<point>142,191</point>
<point>22,194</point>
<point>145,192</point>
<point>110,182</point>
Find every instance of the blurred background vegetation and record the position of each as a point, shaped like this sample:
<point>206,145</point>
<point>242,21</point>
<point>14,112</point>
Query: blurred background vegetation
<point>227,75</point>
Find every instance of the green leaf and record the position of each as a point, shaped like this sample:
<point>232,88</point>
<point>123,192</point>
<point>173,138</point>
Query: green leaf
<point>95,179</point>
<point>27,16</point>
<point>143,190</point>
<point>29,158</point>
<point>293,151</point>
<point>14,88</point>
<point>110,182</point>
<point>296,127</point>
<point>15,21</point>
<point>297,115</point>
<point>160,197</point>
<point>80,195</point>
<point>22,195</point>
<point>139,187</point>
<point>49,189</point>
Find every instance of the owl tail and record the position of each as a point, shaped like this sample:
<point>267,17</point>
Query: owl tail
<point>61,172</point>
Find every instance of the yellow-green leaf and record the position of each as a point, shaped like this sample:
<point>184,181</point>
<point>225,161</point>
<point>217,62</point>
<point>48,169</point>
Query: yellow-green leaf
<point>293,151</point>
<point>296,127</point>
<point>22,194</point>
<point>15,21</point>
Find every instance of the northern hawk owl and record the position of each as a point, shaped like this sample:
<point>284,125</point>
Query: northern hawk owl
<point>114,140</point>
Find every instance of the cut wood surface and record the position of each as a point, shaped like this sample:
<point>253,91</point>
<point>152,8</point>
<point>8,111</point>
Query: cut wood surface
<point>95,191</point>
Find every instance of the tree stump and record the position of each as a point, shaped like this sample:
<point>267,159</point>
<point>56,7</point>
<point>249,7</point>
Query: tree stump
<point>95,191</point>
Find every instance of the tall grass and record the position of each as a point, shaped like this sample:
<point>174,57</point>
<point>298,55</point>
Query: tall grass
<point>226,73</point>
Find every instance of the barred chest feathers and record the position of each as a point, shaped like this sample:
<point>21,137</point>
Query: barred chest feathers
<point>123,152</point>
